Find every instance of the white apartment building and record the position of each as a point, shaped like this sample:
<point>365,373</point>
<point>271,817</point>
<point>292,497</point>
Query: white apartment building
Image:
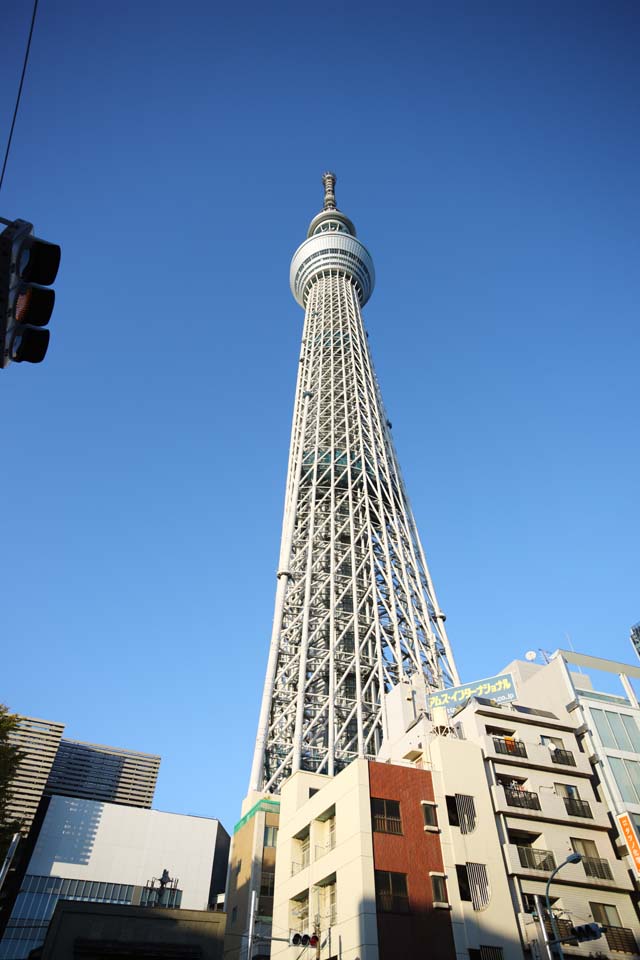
<point>608,724</point>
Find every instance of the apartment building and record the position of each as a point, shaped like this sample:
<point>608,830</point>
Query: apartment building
<point>546,808</point>
<point>599,697</point>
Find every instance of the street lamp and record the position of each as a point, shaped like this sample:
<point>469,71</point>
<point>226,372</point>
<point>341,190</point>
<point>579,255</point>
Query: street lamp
<point>556,946</point>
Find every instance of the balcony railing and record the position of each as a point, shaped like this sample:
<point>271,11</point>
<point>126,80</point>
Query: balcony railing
<point>620,938</point>
<point>392,903</point>
<point>595,867</point>
<point>513,748</point>
<point>522,798</point>
<point>536,859</point>
<point>383,824</point>
<point>563,756</point>
<point>577,808</point>
<point>563,927</point>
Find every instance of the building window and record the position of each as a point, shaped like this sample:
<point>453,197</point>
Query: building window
<point>627,776</point>
<point>606,914</point>
<point>473,884</point>
<point>439,889</point>
<point>270,836</point>
<point>461,810</point>
<point>266,883</point>
<point>386,815</point>
<point>618,731</point>
<point>429,815</point>
<point>391,892</point>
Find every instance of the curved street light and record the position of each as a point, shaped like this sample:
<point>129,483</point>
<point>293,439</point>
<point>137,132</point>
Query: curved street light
<point>556,946</point>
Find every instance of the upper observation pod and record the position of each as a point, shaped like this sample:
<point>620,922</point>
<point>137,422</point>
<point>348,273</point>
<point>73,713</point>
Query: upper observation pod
<point>331,246</point>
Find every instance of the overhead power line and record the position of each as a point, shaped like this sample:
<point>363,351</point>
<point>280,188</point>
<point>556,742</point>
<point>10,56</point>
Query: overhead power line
<point>15,111</point>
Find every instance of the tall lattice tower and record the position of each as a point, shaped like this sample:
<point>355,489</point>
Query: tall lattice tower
<point>355,609</point>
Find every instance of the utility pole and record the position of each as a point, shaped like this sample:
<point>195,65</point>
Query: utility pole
<point>316,932</point>
<point>252,918</point>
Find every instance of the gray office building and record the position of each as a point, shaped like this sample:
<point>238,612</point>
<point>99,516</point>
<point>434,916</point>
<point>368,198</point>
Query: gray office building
<point>111,774</point>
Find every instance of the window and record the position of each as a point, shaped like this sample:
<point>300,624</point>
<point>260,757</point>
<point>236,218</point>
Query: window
<point>270,836</point>
<point>473,883</point>
<point>463,882</point>
<point>439,888</point>
<point>627,776</point>
<point>567,790</point>
<point>386,815</point>
<point>586,848</point>
<point>429,815</point>
<point>606,914</point>
<point>554,743</point>
<point>391,892</point>
<point>452,811</point>
<point>266,883</point>
<point>618,731</point>
<point>461,811</point>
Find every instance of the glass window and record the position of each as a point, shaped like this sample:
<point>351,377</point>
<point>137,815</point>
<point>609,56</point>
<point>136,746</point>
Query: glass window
<point>633,732</point>
<point>623,780</point>
<point>270,836</point>
<point>439,889</point>
<point>429,814</point>
<point>452,811</point>
<point>266,883</point>
<point>605,913</point>
<point>463,881</point>
<point>391,892</point>
<point>386,815</point>
<point>586,848</point>
<point>620,734</point>
<point>604,730</point>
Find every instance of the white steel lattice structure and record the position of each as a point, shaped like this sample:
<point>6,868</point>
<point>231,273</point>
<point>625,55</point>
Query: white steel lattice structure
<point>355,608</point>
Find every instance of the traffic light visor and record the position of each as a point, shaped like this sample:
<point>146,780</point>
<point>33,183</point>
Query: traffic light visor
<point>30,345</point>
<point>38,261</point>
<point>35,305</point>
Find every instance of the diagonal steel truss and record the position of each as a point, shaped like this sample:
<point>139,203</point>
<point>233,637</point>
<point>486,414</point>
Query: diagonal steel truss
<point>355,608</point>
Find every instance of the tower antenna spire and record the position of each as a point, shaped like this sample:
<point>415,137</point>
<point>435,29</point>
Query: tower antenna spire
<point>329,182</point>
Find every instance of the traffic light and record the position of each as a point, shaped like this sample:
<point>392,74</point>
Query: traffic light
<point>303,940</point>
<point>28,265</point>
<point>587,931</point>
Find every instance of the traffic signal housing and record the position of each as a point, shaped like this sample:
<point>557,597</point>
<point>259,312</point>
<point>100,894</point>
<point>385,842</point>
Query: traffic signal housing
<point>28,266</point>
<point>303,940</point>
<point>587,931</point>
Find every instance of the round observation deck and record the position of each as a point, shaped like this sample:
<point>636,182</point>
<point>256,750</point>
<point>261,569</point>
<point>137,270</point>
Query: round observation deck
<point>324,253</point>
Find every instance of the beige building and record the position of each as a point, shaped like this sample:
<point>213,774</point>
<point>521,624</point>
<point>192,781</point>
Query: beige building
<point>38,741</point>
<point>251,878</point>
<point>546,808</point>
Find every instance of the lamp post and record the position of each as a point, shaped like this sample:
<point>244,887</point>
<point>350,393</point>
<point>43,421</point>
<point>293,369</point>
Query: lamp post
<point>555,945</point>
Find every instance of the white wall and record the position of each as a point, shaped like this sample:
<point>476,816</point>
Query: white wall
<point>89,840</point>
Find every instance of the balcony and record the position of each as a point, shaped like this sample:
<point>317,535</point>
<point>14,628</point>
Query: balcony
<point>577,808</point>
<point>620,939</point>
<point>597,868</point>
<point>508,747</point>
<point>563,756</point>
<point>534,859</point>
<point>522,798</point>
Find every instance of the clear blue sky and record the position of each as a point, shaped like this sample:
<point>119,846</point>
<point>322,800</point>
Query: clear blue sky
<point>488,154</point>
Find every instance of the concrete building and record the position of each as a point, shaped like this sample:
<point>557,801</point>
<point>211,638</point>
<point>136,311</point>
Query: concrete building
<point>580,687</point>
<point>96,772</point>
<point>38,741</point>
<point>100,931</point>
<point>251,878</point>
<point>108,853</point>
<point>546,808</point>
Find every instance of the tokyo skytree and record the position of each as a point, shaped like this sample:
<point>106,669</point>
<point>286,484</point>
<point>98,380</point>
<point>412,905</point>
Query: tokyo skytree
<point>355,609</point>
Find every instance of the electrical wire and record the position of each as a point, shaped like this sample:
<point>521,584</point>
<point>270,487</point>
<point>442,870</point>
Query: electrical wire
<point>15,111</point>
